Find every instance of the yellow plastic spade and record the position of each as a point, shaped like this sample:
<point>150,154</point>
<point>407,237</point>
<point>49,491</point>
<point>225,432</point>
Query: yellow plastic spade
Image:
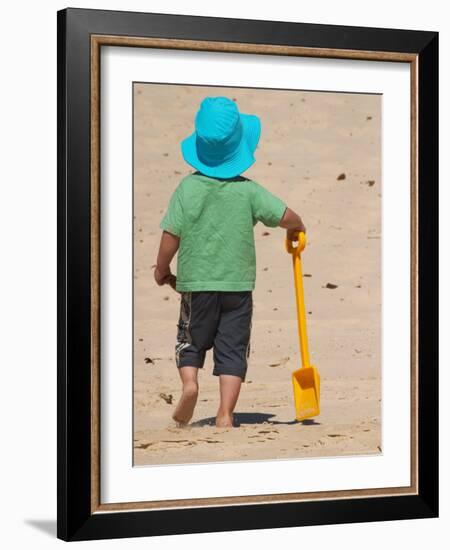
<point>306,380</point>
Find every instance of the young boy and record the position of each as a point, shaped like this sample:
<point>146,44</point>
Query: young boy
<point>210,222</point>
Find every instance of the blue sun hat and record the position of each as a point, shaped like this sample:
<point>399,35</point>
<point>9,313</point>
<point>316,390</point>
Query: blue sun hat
<point>224,140</point>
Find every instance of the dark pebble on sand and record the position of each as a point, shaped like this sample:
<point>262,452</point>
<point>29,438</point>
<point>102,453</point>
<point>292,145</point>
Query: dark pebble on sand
<point>149,360</point>
<point>331,285</point>
<point>265,233</point>
<point>167,398</point>
<point>341,177</point>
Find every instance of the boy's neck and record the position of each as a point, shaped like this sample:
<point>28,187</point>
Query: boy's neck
<point>234,178</point>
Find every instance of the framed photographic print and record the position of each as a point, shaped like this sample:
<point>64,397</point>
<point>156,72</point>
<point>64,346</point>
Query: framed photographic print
<point>247,274</point>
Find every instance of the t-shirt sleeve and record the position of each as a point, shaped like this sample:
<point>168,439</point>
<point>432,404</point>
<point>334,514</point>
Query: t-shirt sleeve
<point>172,221</point>
<point>266,207</point>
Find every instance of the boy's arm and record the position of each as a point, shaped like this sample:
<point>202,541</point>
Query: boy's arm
<point>293,223</point>
<point>167,249</point>
<point>273,212</point>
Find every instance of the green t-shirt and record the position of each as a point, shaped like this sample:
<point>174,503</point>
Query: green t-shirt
<point>214,219</point>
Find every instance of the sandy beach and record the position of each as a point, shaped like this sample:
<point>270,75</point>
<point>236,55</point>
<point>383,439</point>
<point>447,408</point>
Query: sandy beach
<point>320,152</point>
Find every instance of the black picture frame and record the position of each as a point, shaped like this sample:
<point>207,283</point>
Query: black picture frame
<point>76,519</point>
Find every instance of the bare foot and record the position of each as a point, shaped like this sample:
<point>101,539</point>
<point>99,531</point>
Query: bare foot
<point>179,424</point>
<point>224,421</point>
<point>186,405</point>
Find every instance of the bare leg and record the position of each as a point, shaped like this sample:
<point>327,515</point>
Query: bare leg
<point>230,386</point>
<point>186,405</point>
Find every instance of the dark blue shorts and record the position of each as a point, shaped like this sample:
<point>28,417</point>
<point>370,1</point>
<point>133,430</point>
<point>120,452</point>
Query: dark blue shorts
<point>219,320</point>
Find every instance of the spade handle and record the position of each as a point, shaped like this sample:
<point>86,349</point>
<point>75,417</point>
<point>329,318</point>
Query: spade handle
<point>295,251</point>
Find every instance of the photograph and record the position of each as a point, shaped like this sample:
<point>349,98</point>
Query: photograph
<point>256,274</point>
<point>247,267</point>
<point>222,303</point>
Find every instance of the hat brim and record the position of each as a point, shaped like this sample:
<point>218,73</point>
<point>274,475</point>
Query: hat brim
<point>242,158</point>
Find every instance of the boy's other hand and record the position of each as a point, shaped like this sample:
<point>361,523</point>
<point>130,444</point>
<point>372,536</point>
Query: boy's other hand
<point>165,278</point>
<point>161,275</point>
<point>172,281</point>
<point>167,250</point>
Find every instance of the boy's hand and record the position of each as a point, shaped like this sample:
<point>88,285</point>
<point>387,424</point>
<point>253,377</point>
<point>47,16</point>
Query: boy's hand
<point>292,234</point>
<point>293,224</point>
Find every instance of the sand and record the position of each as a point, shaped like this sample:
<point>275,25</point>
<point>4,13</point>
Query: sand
<point>308,140</point>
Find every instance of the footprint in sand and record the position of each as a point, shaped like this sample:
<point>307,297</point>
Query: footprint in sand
<point>143,445</point>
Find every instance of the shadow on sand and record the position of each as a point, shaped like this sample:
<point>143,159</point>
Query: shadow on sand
<point>254,418</point>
